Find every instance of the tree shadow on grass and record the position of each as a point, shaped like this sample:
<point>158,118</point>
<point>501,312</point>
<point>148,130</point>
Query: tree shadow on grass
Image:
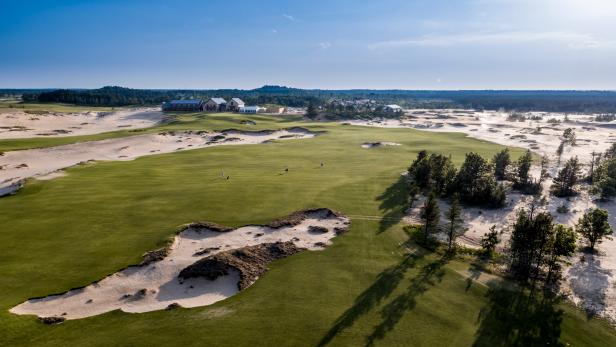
<point>385,284</point>
<point>395,310</point>
<point>393,203</point>
<point>512,318</point>
<point>590,282</point>
<point>475,272</point>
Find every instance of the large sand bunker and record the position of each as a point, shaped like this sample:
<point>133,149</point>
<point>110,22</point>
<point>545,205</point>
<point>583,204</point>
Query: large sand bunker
<point>20,124</point>
<point>15,166</point>
<point>206,263</point>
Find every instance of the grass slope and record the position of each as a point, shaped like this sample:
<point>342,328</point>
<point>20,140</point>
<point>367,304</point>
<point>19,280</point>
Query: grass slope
<point>363,290</point>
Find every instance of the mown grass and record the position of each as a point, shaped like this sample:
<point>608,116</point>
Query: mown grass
<point>370,288</point>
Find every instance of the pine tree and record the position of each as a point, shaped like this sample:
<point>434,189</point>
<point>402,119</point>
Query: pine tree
<point>562,245</point>
<point>594,226</point>
<point>413,192</point>
<point>311,112</point>
<point>524,164</point>
<point>501,161</point>
<point>569,137</point>
<point>604,182</point>
<point>567,178</point>
<point>489,240</point>
<point>455,221</point>
<point>430,214</point>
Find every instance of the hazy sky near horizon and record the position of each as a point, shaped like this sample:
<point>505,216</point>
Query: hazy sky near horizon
<point>386,44</point>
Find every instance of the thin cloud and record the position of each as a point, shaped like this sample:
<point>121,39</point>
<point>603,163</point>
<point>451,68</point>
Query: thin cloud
<point>290,17</point>
<point>572,40</point>
<point>325,45</point>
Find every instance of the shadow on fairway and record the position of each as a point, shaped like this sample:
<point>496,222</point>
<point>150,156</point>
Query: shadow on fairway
<point>394,311</point>
<point>511,318</point>
<point>385,284</point>
<point>590,282</point>
<point>393,203</point>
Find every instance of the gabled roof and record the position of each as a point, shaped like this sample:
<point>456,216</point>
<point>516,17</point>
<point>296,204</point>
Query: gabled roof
<point>185,102</point>
<point>219,101</point>
<point>238,100</point>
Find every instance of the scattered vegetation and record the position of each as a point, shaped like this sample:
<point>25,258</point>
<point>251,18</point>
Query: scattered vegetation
<point>608,117</point>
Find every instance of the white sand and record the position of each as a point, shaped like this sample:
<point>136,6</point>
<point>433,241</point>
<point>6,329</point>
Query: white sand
<point>160,278</point>
<point>18,124</point>
<point>590,280</point>
<point>492,126</point>
<point>44,163</point>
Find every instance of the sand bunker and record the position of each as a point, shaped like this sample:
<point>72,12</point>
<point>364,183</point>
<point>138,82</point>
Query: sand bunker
<point>206,263</point>
<point>44,163</point>
<point>378,144</point>
<point>20,124</point>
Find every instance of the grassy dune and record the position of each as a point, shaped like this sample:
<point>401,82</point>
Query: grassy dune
<point>15,105</point>
<point>363,290</point>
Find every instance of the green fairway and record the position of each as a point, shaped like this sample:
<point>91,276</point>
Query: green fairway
<point>363,290</point>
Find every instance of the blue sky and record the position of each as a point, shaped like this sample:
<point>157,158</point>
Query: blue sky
<point>407,44</point>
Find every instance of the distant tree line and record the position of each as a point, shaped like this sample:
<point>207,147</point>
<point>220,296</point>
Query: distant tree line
<point>553,101</point>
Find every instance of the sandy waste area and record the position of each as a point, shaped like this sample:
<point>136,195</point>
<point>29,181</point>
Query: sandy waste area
<point>45,163</point>
<point>156,285</point>
<point>19,124</point>
<point>590,280</point>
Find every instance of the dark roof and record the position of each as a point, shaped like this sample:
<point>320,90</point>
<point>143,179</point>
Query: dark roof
<point>185,102</point>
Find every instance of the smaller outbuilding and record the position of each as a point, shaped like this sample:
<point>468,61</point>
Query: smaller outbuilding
<point>235,104</point>
<point>184,105</point>
<point>216,105</point>
<point>252,109</point>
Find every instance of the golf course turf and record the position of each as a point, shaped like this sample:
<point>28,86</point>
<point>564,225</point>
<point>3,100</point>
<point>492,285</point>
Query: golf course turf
<point>371,287</point>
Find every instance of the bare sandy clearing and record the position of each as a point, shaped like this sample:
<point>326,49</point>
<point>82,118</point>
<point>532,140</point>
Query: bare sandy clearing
<point>156,285</point>
<point>590,280</point>
<point>538,134</point>
<point>44,163</point>
<point>54,124</point>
